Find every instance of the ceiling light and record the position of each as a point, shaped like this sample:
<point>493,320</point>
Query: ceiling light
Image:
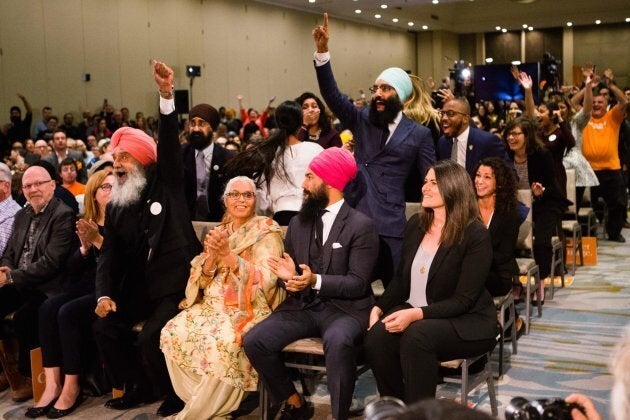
<point>383,6</point>
<point>410,23</point>
<point>395,20</point>
<point>531,28</point>
<point>425,27</point>
<point>569,23</point>
<point>435,1</point>
<point>377,16</point>
<point>489,60</point>
<point>516,63</point>
<point>312,1</point>
<point>597,22</point>
<point>525,25</point>
<point>498,28</point>
<point>358,11</point>
<point>627,19</point>
<point>504,30</point>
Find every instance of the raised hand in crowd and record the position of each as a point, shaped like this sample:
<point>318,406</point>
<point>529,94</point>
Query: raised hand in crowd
<point>321,35</point>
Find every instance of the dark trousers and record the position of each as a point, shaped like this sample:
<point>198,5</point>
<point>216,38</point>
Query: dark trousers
<point>405,365</point>
<point>136,359</point>
<point>64,323</point>
<point>25,321</point>
<point>612,189</point>
<point>341,335</point>
<point>545,226</point>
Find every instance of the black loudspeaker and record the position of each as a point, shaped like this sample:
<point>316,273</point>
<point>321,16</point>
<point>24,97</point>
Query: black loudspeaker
<point>182,101</point>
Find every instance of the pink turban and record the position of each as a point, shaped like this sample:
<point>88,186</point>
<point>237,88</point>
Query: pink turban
<point>335,166</point>
<point>135,142</point>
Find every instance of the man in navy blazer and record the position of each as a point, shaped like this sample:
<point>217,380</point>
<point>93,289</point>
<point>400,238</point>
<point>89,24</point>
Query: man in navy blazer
<point>327,269</point>
<point>472,144</point>
<point>388,145</point>
<point>204,184</point>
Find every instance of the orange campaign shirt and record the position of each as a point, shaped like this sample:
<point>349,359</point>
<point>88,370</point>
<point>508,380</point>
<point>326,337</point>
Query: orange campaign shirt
<point>600,140</point>
<point>75,188</point>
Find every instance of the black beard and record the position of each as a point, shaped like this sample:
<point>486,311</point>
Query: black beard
<point>314,202</point>
<point>385,117</point>
<point>198,140</point>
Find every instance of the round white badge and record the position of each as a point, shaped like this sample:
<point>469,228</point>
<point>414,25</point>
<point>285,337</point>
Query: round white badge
<point>552,137</point>
<point>215,168</point>
<point>156,208</point>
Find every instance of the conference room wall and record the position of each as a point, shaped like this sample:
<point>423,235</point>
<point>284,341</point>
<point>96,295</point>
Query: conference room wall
<point>242,47</point>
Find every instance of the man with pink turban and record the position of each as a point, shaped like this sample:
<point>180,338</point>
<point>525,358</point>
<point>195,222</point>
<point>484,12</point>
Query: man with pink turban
<point>144,264</point>
<point>331,250</point>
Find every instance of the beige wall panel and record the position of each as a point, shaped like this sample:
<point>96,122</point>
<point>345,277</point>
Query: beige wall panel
<point>605,46</point>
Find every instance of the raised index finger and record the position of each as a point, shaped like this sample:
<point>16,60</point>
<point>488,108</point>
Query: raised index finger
<point>325,21</point>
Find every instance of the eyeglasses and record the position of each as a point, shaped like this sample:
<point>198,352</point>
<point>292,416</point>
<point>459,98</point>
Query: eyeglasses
<point>514,133</point>
<point>37,184</point>
<point>105,187</point>
<point>235,195</point>
<point>450,113</point>
<point>198,123</point>
<point>383,88</point>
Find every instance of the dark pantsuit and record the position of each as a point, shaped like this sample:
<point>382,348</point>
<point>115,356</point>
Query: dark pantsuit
<point>611,188</point>
<point>341,334</point>
<point>116,342</point>
<point>64,321</point>
<point>545,226</point>
<point>406,364</point>
<point>25,321</point>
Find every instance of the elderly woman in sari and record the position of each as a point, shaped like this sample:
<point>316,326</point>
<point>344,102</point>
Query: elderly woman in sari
<point>230,290</point>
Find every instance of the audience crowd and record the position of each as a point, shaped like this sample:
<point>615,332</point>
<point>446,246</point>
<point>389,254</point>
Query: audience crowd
<point>96,234</point>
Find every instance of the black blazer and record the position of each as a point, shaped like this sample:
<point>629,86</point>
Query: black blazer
<point>53,245</point>
<point>540,169</point>
<point>166,241</point>
<point>348,259</point>
<point>503,230</point>
<point>456,285</point>
<point>216,183</point>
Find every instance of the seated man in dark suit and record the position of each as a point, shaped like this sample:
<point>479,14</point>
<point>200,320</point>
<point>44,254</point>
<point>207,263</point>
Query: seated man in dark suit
<point>204,179</point>
<point>327,270</point>
<point>464,143</point>
<point>33,264</point>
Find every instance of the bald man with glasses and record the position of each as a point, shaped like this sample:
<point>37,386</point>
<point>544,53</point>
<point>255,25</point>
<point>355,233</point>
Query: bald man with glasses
<point>33,265</point>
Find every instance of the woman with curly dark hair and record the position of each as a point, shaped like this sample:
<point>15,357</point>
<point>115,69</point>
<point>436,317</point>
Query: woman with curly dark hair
<point>495,185</point>
<point>277,165</point>
<point>316,125</point>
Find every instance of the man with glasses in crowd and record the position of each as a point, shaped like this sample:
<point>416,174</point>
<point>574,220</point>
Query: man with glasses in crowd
<point>388,147</point>
<point>33,265</point>
<point>463,143</point>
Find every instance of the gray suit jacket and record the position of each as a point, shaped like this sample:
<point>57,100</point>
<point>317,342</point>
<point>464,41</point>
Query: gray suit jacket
<point>348,259</point>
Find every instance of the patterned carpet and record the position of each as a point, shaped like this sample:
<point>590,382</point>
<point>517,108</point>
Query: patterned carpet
<point>567,350</point>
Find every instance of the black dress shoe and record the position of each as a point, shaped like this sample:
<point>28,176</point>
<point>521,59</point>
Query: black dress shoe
<point>132,398</point>
<point>56,413</point>
<point>34,412</point>
<point>171,405</point>
<point>290,412</point>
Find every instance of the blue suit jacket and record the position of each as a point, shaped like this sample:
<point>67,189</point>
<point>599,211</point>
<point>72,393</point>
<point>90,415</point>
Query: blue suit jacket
<point>348,259</point>
<point>481,144</point>
<point>379,188</point>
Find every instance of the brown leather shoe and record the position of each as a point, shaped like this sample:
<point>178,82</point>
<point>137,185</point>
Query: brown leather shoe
<point>4,383</point>
<point>23,392</point>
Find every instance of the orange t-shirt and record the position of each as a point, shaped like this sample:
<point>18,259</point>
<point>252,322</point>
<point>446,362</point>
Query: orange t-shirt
<point>76,188</point>
<point>600,141</point>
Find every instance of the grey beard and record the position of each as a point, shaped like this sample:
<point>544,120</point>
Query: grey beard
<point>130,191</point>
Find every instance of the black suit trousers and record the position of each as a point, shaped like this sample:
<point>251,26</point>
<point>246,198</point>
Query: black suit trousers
<point>406,364</point>
<point>341,335</point>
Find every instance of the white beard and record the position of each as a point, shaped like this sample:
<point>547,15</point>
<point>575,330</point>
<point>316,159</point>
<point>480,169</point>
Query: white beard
<point>128,192</point>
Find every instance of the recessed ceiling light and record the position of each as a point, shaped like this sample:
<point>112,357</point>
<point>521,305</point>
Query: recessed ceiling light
<point>531,28</point>
<point>597,22</point>
<point>410,23</point>
<point>627,19</point>
<point>525,25</point>
<point>504,30</point>
<point>377,16</point>
<point>312,1</point>
<point>489,60</point>
<point>358,11</point>
<point>395,20</point>
<point>516,63</point>
<point>569,23</point>
<point>383,6</point>
<point>435,1</point>
<point>425,27</point>
<point>498,28</point>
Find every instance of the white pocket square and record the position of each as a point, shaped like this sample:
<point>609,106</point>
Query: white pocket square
<point>336,245</point>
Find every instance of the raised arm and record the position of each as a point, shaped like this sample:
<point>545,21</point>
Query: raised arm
<point>27,105</point>
<point>321,35</point>
<point>526,81</point>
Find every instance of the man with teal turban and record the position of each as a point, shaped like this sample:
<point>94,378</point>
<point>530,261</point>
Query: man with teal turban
<point>388,148</point>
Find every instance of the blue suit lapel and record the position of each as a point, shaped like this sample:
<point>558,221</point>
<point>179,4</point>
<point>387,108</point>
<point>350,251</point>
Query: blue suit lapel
<point>401,132</point>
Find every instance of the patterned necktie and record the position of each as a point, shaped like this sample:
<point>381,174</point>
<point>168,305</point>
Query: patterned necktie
<point>201,173</point>
<point>454,150</point>
<point>384,137</point>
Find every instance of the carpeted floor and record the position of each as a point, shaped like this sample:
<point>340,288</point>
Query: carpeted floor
<point>567,350</point>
